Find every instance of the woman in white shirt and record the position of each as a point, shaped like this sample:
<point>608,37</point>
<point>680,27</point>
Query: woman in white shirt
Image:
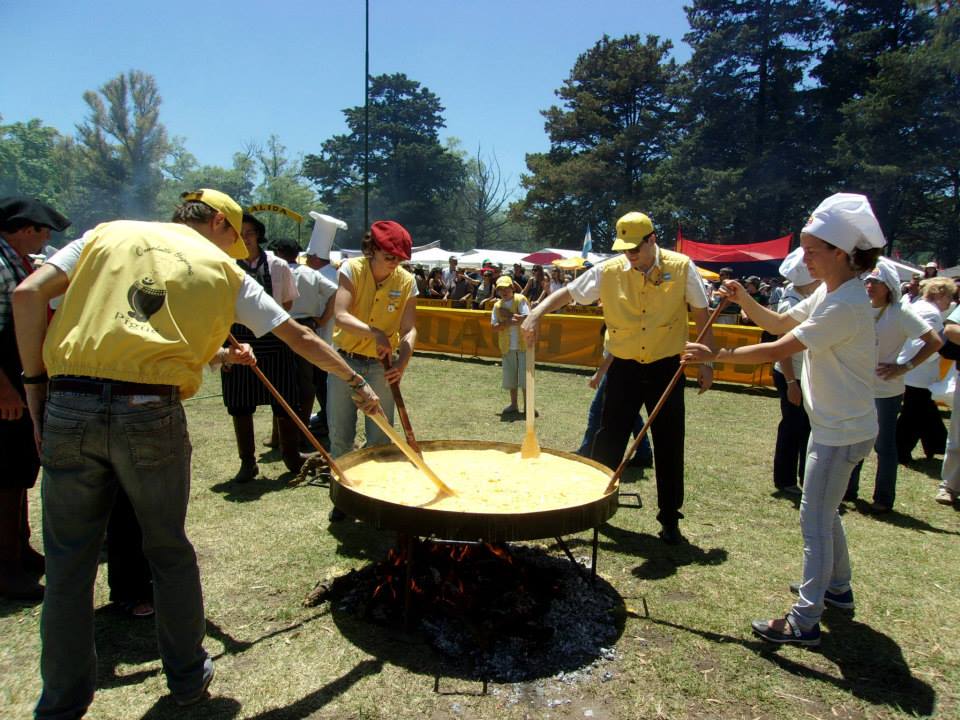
<point>895,325</point>
<point>919,418</point>
<point>834,328</point>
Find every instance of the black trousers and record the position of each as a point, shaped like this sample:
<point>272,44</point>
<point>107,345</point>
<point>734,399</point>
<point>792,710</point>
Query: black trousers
<point>920,420</point>
<point>792,433</point>
<point>128,572</point>
<point>630,386</point>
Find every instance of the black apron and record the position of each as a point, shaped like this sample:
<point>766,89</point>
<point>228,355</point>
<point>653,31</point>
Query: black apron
<point>21,463</point>
<point>242,389</point>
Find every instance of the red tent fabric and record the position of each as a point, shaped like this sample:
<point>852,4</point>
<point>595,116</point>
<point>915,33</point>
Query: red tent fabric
<point>766,251</point>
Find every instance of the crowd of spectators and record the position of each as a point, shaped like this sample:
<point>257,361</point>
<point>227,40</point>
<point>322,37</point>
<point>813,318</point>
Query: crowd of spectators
<point>475,288</point>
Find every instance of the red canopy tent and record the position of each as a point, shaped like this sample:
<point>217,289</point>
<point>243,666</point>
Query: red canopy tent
<point>759,258</point>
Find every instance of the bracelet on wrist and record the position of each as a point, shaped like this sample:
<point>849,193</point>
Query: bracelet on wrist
<point>34,379</point>
<point>794,380</point>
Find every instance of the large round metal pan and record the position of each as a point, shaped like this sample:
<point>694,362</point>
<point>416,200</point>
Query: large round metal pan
<point>486,526</point>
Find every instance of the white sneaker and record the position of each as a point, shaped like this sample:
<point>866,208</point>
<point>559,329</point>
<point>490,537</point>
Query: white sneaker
<point>945,497</point>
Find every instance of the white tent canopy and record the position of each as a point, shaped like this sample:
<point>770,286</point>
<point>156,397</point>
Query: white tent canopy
<point>432,255</point>
<point>507,258</point>
<point>904,271</point>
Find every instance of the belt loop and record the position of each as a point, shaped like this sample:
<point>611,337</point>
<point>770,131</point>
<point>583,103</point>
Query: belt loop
<point>107,393</point>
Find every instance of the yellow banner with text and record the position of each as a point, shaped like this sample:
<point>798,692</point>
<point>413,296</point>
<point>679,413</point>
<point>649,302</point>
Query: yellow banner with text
<point>565,339</point>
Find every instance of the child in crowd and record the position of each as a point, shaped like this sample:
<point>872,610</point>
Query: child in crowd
<point>508,312</point>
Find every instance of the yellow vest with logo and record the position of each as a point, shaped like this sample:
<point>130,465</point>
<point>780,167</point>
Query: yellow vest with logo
<point>503,337</point>
<point>147,303</point>
<point>380,306</point>
<point>646,316</point>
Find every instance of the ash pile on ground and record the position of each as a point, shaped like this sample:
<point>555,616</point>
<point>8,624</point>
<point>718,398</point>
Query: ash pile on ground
<point>541,618</point>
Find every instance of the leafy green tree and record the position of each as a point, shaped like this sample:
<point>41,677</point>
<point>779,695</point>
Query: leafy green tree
<point>900,141</point>
<point>182,172</point>
<point>413,177</point>
<point>615,126</point>
<point>284,184</point>
<point>37,161</point>
<point>738,172</point>
<point>123,144</point>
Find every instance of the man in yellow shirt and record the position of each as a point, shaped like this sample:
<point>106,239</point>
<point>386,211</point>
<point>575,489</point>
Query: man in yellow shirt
<point>645,294</point>
<point>146,306</point>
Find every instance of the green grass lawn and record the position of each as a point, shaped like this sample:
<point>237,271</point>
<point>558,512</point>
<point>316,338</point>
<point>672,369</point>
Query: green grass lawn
<point>264,545</point>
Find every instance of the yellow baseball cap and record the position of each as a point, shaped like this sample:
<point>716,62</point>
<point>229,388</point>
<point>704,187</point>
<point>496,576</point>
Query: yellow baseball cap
<point>632,229</point>
<point>221,202</point>
<point>504,281</point>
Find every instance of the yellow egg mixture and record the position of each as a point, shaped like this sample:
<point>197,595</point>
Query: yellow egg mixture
<point>489,481</point>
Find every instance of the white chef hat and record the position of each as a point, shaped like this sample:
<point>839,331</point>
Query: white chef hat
<point>794,269</point>
<point>846,221</point>
<point>324,230</point>
<point>886,272</point>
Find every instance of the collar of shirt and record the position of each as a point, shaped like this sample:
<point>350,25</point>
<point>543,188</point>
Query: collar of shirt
<point>655,265</point>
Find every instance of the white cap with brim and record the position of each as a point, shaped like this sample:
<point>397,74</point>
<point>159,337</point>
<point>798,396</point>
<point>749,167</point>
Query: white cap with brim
<point>846,221</point>
<point>886,273</point>
<point>794,269</point>
<point>324,231</point>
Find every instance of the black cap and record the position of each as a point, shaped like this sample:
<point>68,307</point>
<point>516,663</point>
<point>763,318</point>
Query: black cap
<point>26,209</point>
<point>285,245</point>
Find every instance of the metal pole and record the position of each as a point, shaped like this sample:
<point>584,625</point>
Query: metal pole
<point>366,125</point>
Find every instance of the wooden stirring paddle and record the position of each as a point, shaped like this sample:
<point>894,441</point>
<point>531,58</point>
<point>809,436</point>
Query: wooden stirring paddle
<point>530,447</point>
<point>381,420</point>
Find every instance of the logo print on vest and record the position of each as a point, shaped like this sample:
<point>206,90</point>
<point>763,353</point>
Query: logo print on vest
<point>145,299</point>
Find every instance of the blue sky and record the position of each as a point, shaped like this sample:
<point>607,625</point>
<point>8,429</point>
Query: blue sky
<point>235,72</point>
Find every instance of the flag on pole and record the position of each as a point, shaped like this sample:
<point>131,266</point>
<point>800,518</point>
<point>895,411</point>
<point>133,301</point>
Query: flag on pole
<point>587,242</point>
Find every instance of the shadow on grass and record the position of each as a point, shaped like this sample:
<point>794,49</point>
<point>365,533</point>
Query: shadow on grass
<point>305,707</point>
<point>122,640</point>
<point>361,541</point>
<point>871,664</point>
<point>930,467</point>
<point>253,490</point>
<point>661,561</point>
<point>899,519</point>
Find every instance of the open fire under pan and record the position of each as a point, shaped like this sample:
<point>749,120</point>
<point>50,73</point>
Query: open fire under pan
<point>492,527</point>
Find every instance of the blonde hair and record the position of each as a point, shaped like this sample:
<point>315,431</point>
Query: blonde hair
<point>937,286</point>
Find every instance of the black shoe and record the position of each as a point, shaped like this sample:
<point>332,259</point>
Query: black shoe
<point>337,515</point>
<point>671,535</point>
<point>790,634</point>
<point>248,471</point>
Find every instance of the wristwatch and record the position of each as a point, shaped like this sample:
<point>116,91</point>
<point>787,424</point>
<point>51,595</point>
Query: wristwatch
<point>34,379</point>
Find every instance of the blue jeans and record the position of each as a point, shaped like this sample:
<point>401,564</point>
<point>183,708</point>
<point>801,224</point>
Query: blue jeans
<point>885,485</point>
<point>91,445</point>
<point>342,411</point>
<point>826,563</point>
<point>593,424</point>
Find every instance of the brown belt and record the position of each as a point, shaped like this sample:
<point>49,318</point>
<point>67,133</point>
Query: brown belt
<point>99,386</point>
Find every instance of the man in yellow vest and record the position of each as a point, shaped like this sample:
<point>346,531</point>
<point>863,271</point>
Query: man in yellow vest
<point>645,294</point>
<point>146,305</point>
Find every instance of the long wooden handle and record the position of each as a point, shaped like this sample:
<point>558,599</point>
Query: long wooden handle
<point>660,403</point>
<point>402,410</point>
<point>293,416</point>
<point>381,420</point>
